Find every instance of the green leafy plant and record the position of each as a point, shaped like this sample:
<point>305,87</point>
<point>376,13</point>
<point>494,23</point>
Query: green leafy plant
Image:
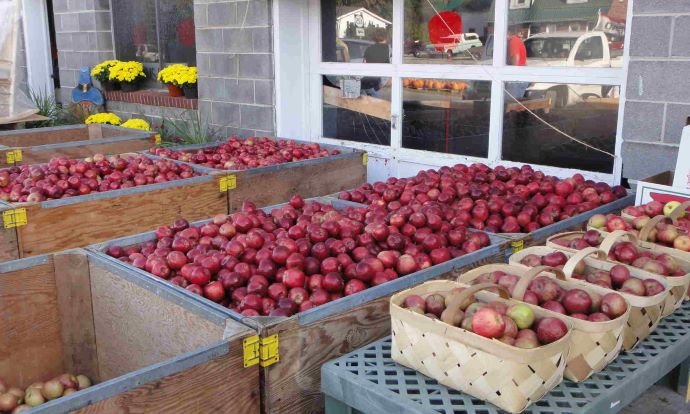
<point>47,106</point>
<point>188,129</point>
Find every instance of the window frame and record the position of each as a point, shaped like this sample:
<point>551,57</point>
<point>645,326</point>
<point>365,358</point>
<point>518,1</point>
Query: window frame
<point>498,73</point>
<point>160,65</point>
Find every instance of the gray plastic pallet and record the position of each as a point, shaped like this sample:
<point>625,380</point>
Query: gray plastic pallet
<point>368,380</point>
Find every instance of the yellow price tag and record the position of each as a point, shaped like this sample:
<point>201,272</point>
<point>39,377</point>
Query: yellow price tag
<point>228,183</point>
<point>14,218</point>
<point>365,159</point>
<point>158,139</point>
<point>14,156</point>
<point>518,246</point>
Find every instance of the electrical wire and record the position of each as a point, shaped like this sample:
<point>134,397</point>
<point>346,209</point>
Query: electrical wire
<point>540,119</point>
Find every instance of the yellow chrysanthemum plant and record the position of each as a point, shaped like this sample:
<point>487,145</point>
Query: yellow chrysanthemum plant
<point>136,123</point>
<point>101,72</point>
<point>127,72</point>
<point>105,118</point>
<point>178,75</point>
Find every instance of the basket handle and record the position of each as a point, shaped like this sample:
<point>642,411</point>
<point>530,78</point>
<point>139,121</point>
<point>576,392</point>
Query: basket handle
<point>580,256</point>
<point>613,237</point>
<point>465,294</point>
<point>675,214</point>
<point>522,285</point>
<point>651,224</point>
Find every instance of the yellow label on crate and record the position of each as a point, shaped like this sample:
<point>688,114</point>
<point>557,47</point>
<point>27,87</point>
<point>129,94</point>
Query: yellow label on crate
<point>228,183</point>
<point>14,218</point>
<point>517,246</point>
<point>262,351</point>
<point>269,351</point>
<point>251,351</point>
<point>158,139</point>
<point>365,159</point>
<point>14,156</point>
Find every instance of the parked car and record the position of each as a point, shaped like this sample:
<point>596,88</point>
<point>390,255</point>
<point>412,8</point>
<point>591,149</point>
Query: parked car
<point>357,47</point>
<point>457,44</point>
<point>570,49</point>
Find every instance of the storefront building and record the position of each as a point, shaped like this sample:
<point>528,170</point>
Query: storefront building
<point>602,85</point>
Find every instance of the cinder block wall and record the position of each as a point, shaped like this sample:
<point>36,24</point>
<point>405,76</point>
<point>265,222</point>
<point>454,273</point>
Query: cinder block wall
<point>234,57</point>
<point>658,87</point>
<point>84,37</point>
<point>235,60</point>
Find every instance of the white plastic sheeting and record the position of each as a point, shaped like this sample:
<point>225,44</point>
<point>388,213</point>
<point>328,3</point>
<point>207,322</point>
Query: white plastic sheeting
<point>14,104</point>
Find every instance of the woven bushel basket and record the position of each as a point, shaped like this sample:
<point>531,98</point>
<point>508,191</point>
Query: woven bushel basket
<point>645,311</point>
<point>593,345</point>
<point>679,284</point>
<point>509,377</point>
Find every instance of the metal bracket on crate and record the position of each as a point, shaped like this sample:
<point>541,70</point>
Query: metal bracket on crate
<point>262,351</point>
<point>14,218</point>
<point>158,139</point>
<point>14,156</point>
<point>228,183</point>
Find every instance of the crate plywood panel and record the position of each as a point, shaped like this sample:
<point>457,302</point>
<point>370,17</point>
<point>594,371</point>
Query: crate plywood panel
<point>55,226</point>
<point>308,180</point>
<point>30,341</point>
<point>74,302</point>
<point>9,249</point>
<point>221,385</point>
<point>33,137</point>
<point>136,328</point>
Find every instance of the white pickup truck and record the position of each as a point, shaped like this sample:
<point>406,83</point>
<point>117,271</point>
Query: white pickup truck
<point>570,49</point>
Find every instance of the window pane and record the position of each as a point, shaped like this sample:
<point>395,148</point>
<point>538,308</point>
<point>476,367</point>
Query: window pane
<point>586,112</point>
<point>454,32</point>
<point>134,23</point>
<point>566,33</point>
<point>178,41</point>
<point>448,116</point>
<point>357,109</point>
<point>137,34</point>
<point>356,31</point>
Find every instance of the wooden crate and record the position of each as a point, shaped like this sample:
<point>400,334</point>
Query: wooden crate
<point>30,229</point>
<point>146,350</point>
<point>37,146</point>
<point>275,184</point>
<point>309,339</point>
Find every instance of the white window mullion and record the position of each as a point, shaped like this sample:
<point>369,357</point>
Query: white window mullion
<point>396,87</point>
<point>315,80</point>
<point>497,96</point>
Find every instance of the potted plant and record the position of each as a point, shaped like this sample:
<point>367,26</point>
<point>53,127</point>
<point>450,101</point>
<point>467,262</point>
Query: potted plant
<point>101,72</point>
<point>104,118</point>
<point>136,123</point>
<point>130,75</point>
<point>189,85</point>
<point>171,76</point>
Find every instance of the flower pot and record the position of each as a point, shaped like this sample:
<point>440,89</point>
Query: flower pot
<point>131,87</point>
<point>174,91</point>
<point>191,92</point>
<point>110,86</point>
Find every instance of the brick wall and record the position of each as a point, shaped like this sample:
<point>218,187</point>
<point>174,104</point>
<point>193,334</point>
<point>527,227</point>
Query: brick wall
<point>84,38</point>
<point>658,88</point>
<point>235,61</point>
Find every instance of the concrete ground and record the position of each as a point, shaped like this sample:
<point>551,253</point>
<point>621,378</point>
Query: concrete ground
<point>660,399</point>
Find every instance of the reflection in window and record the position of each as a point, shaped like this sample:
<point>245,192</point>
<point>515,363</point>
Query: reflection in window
<point>167,38</point>
<point>351,27</point>
<point>555,32</point>
<point>357,109</point>
<point>447,32</point>
<point>448,116</point>
<point>586,112</point>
